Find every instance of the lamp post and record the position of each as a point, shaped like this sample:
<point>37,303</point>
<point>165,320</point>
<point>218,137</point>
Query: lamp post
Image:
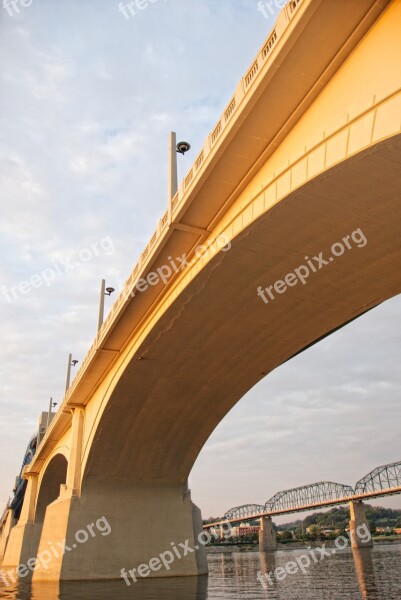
<point>51,405</point>
<point>172,175</point>
<point>71,363</point>
<point>103,292</point>
<point>174,148</point>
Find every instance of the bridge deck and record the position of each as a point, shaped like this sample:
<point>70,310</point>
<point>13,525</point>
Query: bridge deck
<point>249,131</point>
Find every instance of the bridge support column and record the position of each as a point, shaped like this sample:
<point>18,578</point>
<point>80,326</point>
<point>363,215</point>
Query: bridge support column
<point>73,485</point>
<point>267,536</point>
<point>66,507</point>
<point>117,528</point>
<point>359,528</point>
<point>5,532</point>
<point>24,536</point>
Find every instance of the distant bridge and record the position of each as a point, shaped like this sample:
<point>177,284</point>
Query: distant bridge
<point>382,481</point>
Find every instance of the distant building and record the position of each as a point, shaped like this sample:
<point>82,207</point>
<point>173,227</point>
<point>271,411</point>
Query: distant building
<point>384,530</point>
<point>330,531</point>
<point>245,529</point>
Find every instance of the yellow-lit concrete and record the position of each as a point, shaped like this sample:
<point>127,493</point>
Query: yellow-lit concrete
<point>308,151</point>
<point>5,530</point>
<point>359,528</point>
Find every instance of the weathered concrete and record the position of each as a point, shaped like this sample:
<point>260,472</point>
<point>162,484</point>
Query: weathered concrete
<point>144,522</point>
<point>359,528</point>
<point>267,535</point>
<point>306,161</point>
<point>24,536</point>
<point>5,532</point>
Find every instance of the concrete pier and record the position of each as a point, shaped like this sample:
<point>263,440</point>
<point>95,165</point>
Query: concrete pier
<point>5,532</point>
<point>267,536</point>
<point>359,529</point>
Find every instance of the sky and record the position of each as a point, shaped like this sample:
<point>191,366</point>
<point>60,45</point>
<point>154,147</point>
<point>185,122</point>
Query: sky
<point>87,100</point>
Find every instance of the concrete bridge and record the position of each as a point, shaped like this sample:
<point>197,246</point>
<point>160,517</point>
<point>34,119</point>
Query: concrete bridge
<point>286,228</point>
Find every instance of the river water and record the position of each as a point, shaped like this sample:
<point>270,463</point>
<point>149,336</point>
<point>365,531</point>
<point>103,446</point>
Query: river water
<point>369,574</point>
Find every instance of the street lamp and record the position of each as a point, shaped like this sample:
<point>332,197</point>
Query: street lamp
<point>51,405</point>
<point>183,147</point>
<point>71,363</point>
<point>103,292</point>
<point>174,149</point>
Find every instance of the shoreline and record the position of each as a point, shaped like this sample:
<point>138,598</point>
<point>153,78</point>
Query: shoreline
<point>217,549</point>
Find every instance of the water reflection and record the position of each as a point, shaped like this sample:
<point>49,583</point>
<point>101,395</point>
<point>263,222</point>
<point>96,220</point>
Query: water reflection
<point>268,564</point>
<point>364,574</point>
<point>174,588</point>
<point>363,558</point>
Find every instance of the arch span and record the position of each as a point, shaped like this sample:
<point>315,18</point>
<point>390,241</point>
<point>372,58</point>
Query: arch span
<point>219,338</point>
<point>54,476</point>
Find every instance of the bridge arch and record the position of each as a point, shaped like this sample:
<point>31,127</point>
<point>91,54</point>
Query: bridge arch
<point>293,176</point>
<point>177,383</point>
<point>184,353</point>
<point>54,475</point>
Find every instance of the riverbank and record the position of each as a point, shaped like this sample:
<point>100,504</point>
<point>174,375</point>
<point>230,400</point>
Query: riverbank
<point>227,548</point>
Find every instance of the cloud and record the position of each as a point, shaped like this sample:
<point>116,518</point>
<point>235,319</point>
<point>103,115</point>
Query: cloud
<point>328,414</point>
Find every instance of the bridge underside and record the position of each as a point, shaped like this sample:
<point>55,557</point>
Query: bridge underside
<point>147,410</point>
<point>214,343</point>
<point>219,338</point>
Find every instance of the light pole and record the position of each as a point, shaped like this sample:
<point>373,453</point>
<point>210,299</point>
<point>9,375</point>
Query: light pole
<point>51,405</point>
<point>172,175</point>
<point>71,363</point>
<point>174,148</point>
<point>103,292</point>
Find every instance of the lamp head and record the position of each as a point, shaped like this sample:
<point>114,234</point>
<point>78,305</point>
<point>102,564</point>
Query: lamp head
<point>183,147</point>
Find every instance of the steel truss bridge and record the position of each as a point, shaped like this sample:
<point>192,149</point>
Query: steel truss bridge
<point>382,481</point>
